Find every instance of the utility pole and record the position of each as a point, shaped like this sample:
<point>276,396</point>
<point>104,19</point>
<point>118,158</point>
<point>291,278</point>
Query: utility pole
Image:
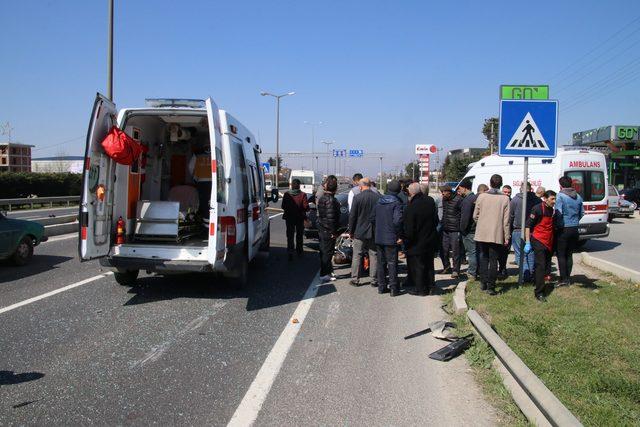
<point>277,97</point>
<point>110,54</point>
<point>380,173</point>
<point>327,143</point>
<point>313,139</point>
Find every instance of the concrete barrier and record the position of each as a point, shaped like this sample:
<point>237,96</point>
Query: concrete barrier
<point>610,267</point>
<point>58,229</point>
<point>62,219</point>
<point>459,300</point>
<point>549,405</point>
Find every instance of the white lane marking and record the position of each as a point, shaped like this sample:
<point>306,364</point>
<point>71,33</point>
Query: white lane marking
<point>273,216</point>
<point>54,292</point>
<point>157,351</point>
<point>247,412</point>
<point>61,237</point>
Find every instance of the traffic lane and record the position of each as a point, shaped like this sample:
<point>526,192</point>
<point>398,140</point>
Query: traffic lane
<point>350,365</point>
<point>173,350</point>
<point>54,264</point>
<point>43,213</point>
<point>623,244</point>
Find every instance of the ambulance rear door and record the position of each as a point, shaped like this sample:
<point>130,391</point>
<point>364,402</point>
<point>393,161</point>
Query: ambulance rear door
<point>98,179</point>
<point>215,137</point>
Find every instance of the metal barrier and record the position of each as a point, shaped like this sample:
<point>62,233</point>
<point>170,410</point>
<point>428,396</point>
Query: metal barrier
<point>39,201</point>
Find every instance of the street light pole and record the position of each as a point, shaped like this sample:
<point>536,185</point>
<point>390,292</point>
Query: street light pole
<point>327,143</point>
<point>313,138</point>
<point>277,97</point>
<point>110,54</point>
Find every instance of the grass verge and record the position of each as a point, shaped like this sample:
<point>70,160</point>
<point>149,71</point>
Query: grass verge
<point>584,343</point>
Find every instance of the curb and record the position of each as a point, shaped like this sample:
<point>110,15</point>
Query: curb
<point>459,300</point>
<point>546,402</point>
<point>610,267</point>
<point>59,229</point>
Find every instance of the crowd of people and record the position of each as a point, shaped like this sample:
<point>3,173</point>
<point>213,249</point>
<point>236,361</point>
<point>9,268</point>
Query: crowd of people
<point>460,227</point>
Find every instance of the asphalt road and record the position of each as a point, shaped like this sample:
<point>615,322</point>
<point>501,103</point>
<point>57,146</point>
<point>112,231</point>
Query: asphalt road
<point>623,244</point>
<point>185,349</point>
<point>42,213</point>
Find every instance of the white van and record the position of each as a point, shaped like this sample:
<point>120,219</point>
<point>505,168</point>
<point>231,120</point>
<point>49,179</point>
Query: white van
<point>310,181</point>
<point>587,169</point>
<point>166,228</point>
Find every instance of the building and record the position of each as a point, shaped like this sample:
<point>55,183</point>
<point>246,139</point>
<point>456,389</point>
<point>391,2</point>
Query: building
<point>621,146</point>
<point>15,157</point>
<point>468,153</point>
<point>70,164</point>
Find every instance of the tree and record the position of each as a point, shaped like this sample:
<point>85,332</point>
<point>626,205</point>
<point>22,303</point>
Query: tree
<point>412,170</point>
<point>490,132</point>
<point>272,161</point>
<point>455,168</point>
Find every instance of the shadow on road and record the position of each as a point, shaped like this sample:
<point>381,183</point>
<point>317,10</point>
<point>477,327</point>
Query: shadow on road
<point>38,264</point>
<point>594,245</point>
<point>271,283</point>
<point>10,377</point>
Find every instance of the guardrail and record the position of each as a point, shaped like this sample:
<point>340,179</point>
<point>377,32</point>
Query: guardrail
<point>42,201</point>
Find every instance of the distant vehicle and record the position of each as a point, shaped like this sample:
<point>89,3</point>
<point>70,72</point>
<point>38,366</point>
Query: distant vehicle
<point>268,185</point>
<point>18,238</point>
<point>342,198</point>
<point>155,222</point>
<point>310,181</point>
<point>613,203</point>
<point>587,170</point>
<point>626,208</point>
<point>631,195</point>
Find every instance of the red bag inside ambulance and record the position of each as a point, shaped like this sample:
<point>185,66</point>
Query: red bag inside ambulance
<point>121,147</point>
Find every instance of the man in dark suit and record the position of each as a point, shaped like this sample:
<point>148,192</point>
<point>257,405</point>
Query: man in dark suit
<point>421,239</point>
<point>361,231</point>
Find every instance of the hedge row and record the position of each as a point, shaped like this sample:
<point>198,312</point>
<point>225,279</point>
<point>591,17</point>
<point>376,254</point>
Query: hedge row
<point>22,184</point>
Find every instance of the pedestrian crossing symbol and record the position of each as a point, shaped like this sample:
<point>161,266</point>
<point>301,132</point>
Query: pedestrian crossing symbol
<point>528,128</point>
<point>527,136</point>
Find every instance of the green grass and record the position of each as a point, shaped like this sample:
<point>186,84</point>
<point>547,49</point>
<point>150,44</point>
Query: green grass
<point>584,343</point>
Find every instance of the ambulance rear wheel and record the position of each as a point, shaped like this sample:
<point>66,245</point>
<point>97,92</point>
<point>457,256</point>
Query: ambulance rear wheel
<point>126,278</point>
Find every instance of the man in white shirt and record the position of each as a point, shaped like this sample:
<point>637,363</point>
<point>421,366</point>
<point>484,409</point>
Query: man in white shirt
<point>355,190</point>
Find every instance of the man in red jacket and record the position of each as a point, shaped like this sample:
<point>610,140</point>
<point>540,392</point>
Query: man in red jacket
<point>295,206</point>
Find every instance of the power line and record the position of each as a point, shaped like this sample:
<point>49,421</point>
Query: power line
<point>60,143</point>
<point>621,81</point>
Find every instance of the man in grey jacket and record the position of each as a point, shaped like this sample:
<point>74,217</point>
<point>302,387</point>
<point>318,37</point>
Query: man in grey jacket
<point>517,239</point>
<point>361,232</point>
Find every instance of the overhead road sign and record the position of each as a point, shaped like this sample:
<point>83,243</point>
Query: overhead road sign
<point>528,128</point>
<point>339,153</point>
<point>356,153</point>
<point>524,92</point>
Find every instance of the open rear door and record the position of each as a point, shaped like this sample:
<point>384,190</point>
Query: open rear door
<point>96,202</point>
<point>215,137</point>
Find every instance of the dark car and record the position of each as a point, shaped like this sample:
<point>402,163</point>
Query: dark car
<point>631,195</point>
<point>313,214</point>
<point>17,239</point>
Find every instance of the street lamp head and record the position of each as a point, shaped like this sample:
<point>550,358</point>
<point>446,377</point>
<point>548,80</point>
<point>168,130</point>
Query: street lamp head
<point>291,93</point>
<point>264,93</point>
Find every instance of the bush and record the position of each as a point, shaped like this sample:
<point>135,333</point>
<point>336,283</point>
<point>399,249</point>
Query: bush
<point>22,184</point>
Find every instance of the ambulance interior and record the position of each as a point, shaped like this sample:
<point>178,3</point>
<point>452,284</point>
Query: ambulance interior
<point>165,203</point>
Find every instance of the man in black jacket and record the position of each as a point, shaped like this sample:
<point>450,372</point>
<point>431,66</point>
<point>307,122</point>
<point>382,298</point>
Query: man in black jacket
<point>387,222</point>
<point>328,221</point>
<point>451,230</point>
<point>361,231</point>
<point>421,239</point>
<point>468,225</point>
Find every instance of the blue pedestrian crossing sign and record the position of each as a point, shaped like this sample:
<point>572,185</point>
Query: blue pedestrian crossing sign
<point>267,167</point>
<point>528,128</point>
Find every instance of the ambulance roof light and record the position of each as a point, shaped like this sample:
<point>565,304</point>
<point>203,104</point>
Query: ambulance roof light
<point>174,102</point>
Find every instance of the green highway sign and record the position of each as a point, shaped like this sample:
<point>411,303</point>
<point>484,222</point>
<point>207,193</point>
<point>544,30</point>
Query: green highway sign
<point>524,92</point>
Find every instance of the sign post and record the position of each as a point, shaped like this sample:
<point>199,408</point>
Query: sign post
<point>424,152</point>
<point>527,129</point>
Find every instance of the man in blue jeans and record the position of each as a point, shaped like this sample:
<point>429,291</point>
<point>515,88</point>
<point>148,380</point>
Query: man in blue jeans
<point>468,226</point>
<point>387,224</point>
<point>517,239</point>
<point>570,206</point>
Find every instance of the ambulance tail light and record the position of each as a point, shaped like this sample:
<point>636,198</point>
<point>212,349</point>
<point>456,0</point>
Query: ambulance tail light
<point>228,228</point>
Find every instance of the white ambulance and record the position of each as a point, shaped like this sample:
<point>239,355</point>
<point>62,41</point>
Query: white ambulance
<point>159,215</point>
<point>587,170</point>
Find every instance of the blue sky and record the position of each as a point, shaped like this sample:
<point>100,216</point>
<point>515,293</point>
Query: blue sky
<point>381,75</point>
